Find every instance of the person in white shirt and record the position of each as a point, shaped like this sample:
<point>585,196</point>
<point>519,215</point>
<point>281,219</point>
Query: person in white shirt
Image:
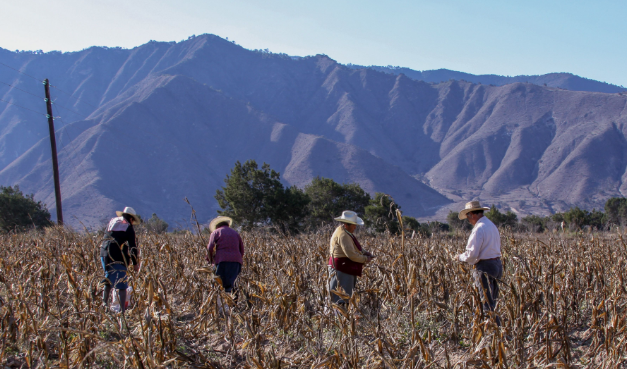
<point>483,251</point>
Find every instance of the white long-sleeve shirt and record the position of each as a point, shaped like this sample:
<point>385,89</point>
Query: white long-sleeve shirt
<point>484,242</point>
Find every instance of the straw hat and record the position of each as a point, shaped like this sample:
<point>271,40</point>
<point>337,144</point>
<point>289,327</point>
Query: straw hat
<point>350,217</point>
<point>218,220</point>
<point>471,206</point>
<point>130,211</point>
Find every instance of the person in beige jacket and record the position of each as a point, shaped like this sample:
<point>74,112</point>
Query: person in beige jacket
<point>347,257</point>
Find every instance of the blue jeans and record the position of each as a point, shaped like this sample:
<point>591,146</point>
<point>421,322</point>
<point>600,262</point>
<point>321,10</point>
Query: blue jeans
<point>115,274</point>
<point>486,275</point>
<point>228,272</point>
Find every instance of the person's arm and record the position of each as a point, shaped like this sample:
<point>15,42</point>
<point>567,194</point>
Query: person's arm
<point>473,248</point>
<point>210,247</point>
<point>241,245</point>
<point>351,252</point>
<point>133,249</point>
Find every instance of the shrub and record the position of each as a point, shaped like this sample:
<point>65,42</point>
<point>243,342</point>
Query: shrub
<point>19,212</point>
<point>156,224</point>
<point>380,215</point>
<point>329,199</point>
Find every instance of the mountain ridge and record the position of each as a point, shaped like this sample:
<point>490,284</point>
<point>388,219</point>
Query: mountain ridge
<point>567,81</point>
<point>523,146</point>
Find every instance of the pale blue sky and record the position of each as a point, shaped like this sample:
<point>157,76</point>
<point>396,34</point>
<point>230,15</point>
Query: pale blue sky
<point>587,38</point>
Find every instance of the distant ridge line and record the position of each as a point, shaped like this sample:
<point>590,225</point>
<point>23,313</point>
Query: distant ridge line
<point>567,81</point>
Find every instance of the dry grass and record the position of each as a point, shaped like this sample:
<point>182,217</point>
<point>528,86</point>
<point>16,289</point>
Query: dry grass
<point>562,304</point>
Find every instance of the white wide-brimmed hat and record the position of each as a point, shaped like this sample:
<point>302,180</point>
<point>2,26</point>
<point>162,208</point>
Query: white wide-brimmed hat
<point>471,206</point>
<point>130,211</point>
<point>350,217</point>
<point>218,220</point>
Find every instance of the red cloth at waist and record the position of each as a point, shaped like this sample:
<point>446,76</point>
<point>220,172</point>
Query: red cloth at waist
<point>346,265</point>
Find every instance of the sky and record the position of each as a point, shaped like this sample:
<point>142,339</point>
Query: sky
<point>586,38</point>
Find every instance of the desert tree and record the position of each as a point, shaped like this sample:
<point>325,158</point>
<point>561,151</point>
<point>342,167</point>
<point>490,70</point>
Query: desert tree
<point>19,212</point>
<point>156,224</point>
<point>329,199</point>
<point>255,196</point>
<point>380,214</point>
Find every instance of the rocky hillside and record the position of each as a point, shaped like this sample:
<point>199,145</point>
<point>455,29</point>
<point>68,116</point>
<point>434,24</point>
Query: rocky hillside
<point>149,126</point>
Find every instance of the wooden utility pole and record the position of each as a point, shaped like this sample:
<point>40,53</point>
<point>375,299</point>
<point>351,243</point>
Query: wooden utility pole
<point>55,162</point>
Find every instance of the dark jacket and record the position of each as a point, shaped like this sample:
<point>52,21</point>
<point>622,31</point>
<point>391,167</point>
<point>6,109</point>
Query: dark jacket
<point>120,245</point>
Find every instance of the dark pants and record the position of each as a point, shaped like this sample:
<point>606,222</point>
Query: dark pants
<point>341,279</point>
<point>228,272</point>
<point>115,277</point>
<point>486,274</point>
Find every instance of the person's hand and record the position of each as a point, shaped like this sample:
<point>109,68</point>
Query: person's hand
<point>369,258</point>
<point>136,267</point>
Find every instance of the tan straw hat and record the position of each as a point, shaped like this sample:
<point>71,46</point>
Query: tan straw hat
<point>218,220</point>
<point>130,211</point>
<point>471,206</point>
<point>350,217</point>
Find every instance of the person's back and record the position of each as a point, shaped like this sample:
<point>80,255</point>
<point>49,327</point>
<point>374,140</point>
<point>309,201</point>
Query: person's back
<point>490,237</point>
<point>226,251</point>
<point>228,245</point>
<point>118,251</point>
<point>124,249</point>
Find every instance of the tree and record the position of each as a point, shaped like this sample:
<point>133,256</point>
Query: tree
<point>290,211</point>
<point>329,199</point>
<point>499,219</point>
<point>19,212</point>
<point>454,222</point>
<point>380,215</point>
<point>156,224</point>
<point>412,224</point>
<point>535,223</point>
<point>575,217</point>
<point>596,219</point>
<point>248,193</point>
<point>255,197</point>
<point>616,210</point>
<point>436,226</point>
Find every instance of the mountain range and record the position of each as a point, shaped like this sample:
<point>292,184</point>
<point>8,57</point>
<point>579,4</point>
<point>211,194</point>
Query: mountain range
<point>149,126</point>
<point>567,81</point>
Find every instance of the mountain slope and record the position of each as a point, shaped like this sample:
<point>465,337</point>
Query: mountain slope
<point>188,110</point>
<point>175,138</point>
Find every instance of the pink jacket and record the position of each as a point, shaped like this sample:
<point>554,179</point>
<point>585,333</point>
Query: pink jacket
<point>228,245</point>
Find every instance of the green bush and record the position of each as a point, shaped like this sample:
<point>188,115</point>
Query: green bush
<point>255,197</point>
<point>454,222</point>
<point>19,212</point>
<point>380,215</point>
<point>329,199</point>
<point>156,224</point>
<point>499,219</point>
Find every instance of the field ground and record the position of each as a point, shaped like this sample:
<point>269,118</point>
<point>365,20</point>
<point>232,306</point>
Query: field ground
<point>562,303</point>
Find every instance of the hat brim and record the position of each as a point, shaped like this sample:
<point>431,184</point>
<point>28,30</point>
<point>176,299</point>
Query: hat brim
<point>135,217</point>
<point>463,214</point>
<point>359,222</point>
<point>215,221</point>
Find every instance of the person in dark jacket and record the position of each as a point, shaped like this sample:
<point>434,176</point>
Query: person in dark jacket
<point>226,251</point>
<point>117,252</point>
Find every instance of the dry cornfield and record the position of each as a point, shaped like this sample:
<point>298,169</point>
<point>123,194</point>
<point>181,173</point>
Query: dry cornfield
<point>562,305</point>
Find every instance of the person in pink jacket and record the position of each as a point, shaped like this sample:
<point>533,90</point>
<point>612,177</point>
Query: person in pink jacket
<point>226,251</point>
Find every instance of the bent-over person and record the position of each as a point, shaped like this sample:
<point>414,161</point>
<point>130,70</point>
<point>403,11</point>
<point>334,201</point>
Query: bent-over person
<point>226,251</point>
<point>347,256</point>
<point>117,252</point>
<point>483,251</point>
